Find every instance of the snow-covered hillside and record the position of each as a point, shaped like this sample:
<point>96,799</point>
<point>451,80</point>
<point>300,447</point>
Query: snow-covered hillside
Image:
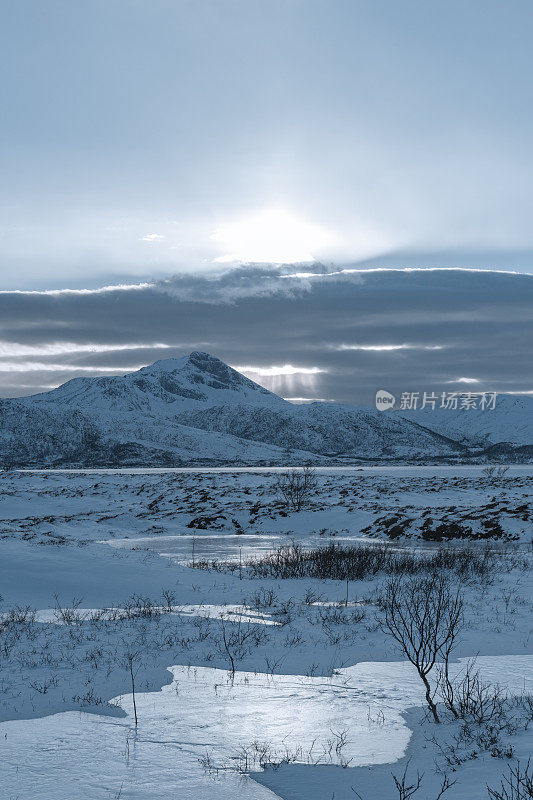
<point>197,409</point>
<point>511,420</point>
<point>325,428</point>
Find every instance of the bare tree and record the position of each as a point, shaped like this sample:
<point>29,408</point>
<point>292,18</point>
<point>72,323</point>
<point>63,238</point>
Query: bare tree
<point>296,486</point>
<point>424,616</point>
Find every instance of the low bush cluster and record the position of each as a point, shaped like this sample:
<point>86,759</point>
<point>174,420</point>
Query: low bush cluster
<point>356,562</point>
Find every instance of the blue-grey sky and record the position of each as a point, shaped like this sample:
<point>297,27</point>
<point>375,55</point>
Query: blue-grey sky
<point>331,335</point>
<point>141,138</point>
<point>156,146</point>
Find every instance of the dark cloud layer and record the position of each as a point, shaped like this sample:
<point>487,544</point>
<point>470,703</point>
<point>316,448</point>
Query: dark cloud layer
<point>444,324</point>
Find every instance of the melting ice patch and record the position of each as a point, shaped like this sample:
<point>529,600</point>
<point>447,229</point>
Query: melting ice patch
<point>186,548</point>
<point>231,612</point>
<point>205,713</point>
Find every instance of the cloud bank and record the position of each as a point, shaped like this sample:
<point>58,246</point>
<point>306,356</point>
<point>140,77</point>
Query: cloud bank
<point>333,334</point>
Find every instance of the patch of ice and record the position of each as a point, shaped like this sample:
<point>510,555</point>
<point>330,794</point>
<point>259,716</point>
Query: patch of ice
<point>186,548</point>
<point>233,613</point>
<point>208,712</point>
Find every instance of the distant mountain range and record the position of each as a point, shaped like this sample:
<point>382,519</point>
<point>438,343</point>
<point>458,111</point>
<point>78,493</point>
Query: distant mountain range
<point>197,410</point>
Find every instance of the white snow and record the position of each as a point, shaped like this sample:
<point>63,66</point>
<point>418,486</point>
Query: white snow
<point>234,612</point>
<point>309,670</point>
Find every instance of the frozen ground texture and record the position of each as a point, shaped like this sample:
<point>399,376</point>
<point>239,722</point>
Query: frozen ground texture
<point>196,409</point>
<point>317,685</point>
<point>51,523</point>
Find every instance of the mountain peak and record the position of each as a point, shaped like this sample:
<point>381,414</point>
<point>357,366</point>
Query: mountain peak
<point>169,385</point>
<point>202,368</point>
<point>205,373</point>
<point>197,358</point>
<point>202,355</point>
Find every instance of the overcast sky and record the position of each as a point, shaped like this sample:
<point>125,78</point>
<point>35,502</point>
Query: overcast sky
<point>339,336</point>
<point>142,137</point>
<point>161,143</point>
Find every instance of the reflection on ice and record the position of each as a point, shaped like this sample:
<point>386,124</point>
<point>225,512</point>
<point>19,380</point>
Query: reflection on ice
<point>186,548</point>
<point>205,714</point>
<point>233,613</point>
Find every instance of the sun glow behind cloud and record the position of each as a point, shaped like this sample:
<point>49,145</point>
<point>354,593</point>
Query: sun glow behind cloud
<point>274,236</point>
<point>285,378</point>
<point>45,366</point>
<point>152,237</point>
<point>304,400</point>
<point>387,347</point>
<point>18,349</point>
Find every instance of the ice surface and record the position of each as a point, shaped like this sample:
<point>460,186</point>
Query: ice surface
<point>185,549</point>
<point>206,712</point>
<point>232,612</point>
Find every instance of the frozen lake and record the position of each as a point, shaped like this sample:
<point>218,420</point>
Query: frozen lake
<point>396,470</point>
<point>188,548</point>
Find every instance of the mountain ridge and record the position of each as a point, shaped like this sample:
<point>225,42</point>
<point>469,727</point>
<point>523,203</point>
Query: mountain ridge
<point>198,410</point>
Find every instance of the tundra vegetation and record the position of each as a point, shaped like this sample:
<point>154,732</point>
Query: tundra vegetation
<point>312,604</point>
<point>296,487</point>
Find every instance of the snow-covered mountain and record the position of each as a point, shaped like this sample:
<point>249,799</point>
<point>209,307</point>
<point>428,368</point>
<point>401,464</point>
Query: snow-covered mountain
<point>196,409</point>
<point>323,428</point>
<point>166,386</point>
<point>511,420</point>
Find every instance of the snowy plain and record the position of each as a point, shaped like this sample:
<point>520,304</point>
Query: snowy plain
<point>323,689</point>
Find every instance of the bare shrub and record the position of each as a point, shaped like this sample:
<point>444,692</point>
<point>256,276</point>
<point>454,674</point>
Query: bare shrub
<point>169,596</point>
<point>404,788</point>
<point>524,702</point>
<point>226,648</point>
<point>424,616</point>
<point>408,787</point>
<point>18,617</point>
<point>264,598</point>
<point>356,562</point>
<point>238,638</point>
<point>69,615</point>
<point>470,698</point>
<point>494,473</point>
<point>141,607</point>
<point>296,486</point>
<point>516,785</point>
